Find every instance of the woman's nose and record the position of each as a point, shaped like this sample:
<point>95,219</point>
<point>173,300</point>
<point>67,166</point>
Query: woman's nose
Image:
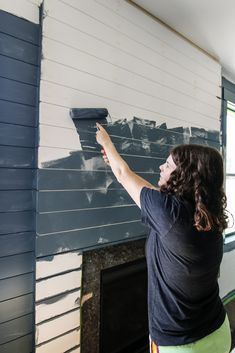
<point>161,167</point>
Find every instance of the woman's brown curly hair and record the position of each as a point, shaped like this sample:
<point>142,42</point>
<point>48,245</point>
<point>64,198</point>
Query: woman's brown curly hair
<point>199,178</point>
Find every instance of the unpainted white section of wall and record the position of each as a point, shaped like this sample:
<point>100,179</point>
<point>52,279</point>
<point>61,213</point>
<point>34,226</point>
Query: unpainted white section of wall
<point>27,9</point>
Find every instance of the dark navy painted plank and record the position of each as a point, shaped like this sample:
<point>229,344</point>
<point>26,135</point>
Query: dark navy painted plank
<point>11,244</point>
<point>19,27</point>
<point>18,70</point>
<point>18,49</point>
<point>16,328</point>
<point>148,130</point>
<point>14,113</point>
<point>17,201</point>
<point>69,179</point>
<point>20,345</point>
<point>71,200</point>
<point>16,265</point>
<point>13,308</point>
<point>17,92</point>
<point>16,135</point>
<point>127,146</point>
<point>93,161</point>
<point>56,222</point>
<point>79,239</point>
<point>144,130</point>
<point>202,141</point>
<point>16,179</point>
<point>16,286</point>
<point>14,222</point>
<point>17,157</point>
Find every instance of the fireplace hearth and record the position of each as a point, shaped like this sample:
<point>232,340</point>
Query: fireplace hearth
<point>114,299</point>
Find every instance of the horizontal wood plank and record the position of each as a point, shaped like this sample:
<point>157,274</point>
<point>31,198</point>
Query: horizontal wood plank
<point>15,201</point>
<point>23,9</point>
<point>53,286</point>
<point>58,305</point>
<point>18,49</point>
<point>16,135</point>
<point>22,344</point>
<point>19,27</point>
<point>14,113</point>
<point>64,221</point>
<point>71,200</point>
<point>16,286</point>
<point>53,265</point>
<point>13,222</point>
<point>60,344</point>
<point>16,328</point>
<point>17,70</point>
<point>53,179</point>
<point>58,326</point>
<point>17,157</point>
<point>16,307</point>
<point>64,96</point>
<point>16,179</point>
<point>92,84</point>
<point>16,265</point>
<point>16,243</point>
<point>17,92</point>
<point>89,238</point>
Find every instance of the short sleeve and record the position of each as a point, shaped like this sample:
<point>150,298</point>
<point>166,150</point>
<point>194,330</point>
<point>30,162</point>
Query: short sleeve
<point>158,210</point>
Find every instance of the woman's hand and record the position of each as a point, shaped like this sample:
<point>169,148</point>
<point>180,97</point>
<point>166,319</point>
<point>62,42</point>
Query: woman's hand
<point>102,137</point>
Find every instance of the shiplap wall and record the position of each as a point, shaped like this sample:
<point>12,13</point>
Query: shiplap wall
<point>102,54</point>
<point>19,71</point>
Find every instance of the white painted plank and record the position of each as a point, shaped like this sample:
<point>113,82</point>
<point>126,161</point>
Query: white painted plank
<point>112,51</point>
<point>170,89</point>
<point>86,83</point>
<point>58,326</point>
<point>157,29</point>
<point>111,19</point>
<point>50,309</point>
<point>21,8</point>
<point>70,98</point>
<point>60,344</point>
<point>50,154</point>
<point>51,265</point>
<point>55,116</point>
<point>58,116</point>
<point>87,15</point>
<point>61,137</point>
<point>90,83</point>
<point>58,284</point>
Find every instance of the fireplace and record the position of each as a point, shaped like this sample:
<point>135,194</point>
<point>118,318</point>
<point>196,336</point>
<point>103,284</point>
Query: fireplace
<point>114,299</point>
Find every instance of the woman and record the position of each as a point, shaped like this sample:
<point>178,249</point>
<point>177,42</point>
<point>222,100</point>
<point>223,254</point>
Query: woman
<point>186,216</point>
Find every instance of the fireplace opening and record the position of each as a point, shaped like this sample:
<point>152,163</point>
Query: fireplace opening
<point>123,308</point>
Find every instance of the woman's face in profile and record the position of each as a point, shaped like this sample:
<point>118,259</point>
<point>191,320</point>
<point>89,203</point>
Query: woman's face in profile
<point>166,169</point>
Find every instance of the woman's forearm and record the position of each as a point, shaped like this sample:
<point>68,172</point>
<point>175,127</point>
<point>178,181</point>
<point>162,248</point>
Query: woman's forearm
<point>117,163</point>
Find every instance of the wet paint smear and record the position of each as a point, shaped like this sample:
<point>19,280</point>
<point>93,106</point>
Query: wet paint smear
<point>142,143</point>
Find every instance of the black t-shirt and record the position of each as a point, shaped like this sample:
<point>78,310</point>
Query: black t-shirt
<point>183,266</point>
